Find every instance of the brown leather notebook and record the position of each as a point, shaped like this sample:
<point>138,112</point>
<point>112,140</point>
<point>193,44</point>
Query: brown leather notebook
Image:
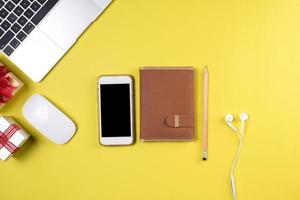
<point>167,103</point>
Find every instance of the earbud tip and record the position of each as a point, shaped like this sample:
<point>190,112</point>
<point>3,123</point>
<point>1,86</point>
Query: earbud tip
<point>244,116</point>
<point>229,118</point>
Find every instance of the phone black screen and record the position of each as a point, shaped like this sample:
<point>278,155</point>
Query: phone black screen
<point>115,110</point>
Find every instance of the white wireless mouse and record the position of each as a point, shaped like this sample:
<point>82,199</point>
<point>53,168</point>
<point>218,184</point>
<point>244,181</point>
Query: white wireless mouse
<point>48,120</point>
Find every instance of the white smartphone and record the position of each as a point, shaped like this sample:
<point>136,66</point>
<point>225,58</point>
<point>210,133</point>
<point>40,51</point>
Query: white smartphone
<point>116,113</point>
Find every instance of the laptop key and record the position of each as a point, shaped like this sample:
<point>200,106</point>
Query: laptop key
<point>43,11</point>
<point>16,28</point>
<point>18,10</point>
<point>25,4</point>
<point>22,21</point>
<point>1,3</point>
<point>16,1</point>
<point>35,6</point>
<point>10,6</point>
<point>1,33</point>
<point>12,18</point>
<point>28,13</point>
<point>28,28</point>
<point>5,25</point>
<point>8,50</point>
<point>6,38</point>
<point>21,36</point>
<point>3,13</point>
<point>14,43</point>
<point>41,1</point>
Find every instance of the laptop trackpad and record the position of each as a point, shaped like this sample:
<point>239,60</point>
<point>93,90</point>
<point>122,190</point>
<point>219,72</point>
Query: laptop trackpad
<point>68,20</point>
<point>36,55</point>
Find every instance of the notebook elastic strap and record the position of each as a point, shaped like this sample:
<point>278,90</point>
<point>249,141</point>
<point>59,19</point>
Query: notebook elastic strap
<point>180,121</point>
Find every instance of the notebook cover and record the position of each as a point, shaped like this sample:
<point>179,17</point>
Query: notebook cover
<point>167,103</point>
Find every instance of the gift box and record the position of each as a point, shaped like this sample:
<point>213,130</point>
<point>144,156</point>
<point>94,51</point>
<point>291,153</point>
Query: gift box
<point>9,85</point>
<point>12,137</point>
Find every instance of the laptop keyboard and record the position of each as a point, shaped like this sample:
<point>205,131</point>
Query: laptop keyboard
<point>18,18</point>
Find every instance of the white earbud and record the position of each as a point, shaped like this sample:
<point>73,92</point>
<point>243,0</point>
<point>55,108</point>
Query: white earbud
<point>229,119</point>
<point>243,117</point>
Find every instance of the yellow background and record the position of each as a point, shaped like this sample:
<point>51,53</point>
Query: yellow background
<point>252,51</point>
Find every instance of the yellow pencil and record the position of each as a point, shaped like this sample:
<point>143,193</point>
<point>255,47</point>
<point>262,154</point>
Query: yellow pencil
<point>205,113</point>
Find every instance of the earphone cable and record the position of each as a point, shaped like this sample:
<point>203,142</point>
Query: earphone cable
<point>232,182</point>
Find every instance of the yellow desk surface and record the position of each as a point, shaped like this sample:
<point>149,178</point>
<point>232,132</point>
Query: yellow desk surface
<point>252,51</point>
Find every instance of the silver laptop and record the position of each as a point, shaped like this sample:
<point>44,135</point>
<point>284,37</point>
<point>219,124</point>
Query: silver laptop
<point>35,34</point>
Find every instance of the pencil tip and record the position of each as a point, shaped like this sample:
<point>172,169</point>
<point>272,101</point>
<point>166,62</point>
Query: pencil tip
<point>204,157</point>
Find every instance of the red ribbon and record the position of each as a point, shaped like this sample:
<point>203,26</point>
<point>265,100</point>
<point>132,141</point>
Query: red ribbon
<point>6,88</point>
<point>4,138</point>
